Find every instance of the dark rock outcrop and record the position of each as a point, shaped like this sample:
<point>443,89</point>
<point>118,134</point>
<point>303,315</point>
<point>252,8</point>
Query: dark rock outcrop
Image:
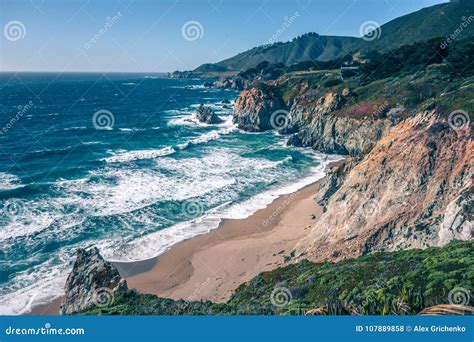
<point>234,83</point>
<point>206,115</point>
<point>254,108</point>
<point>93,282</point>
<point>316,120</point>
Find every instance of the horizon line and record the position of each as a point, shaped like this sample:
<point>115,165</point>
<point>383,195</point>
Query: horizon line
<point>83,72</point>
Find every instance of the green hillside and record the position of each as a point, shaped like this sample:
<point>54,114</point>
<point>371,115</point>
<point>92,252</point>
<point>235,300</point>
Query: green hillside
<point>310,46</point>
<point>455,19</point>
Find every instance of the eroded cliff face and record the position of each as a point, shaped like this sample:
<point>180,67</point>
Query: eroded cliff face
<point>407,185</point>
<point>327,127</point>
<point>253,109</point>
<point>412,190</point>
<point>93,282</point>
<point>318,120</point>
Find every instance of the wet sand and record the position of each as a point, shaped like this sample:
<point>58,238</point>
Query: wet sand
<point>211,266</point>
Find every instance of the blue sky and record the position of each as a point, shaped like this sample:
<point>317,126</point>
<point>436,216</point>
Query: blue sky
<point>146,35</point>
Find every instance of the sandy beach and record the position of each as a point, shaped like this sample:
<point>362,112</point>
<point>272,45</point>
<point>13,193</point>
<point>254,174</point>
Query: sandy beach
<point>211,266</point>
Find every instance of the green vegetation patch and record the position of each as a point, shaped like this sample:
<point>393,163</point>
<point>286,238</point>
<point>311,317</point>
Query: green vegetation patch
<point>398,283</point>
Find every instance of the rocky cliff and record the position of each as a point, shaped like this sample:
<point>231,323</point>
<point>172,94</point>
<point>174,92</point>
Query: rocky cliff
<point>412,190</point>
<point>409,182</point>
<point>254,107</point>
<point>342,133</point>
<point>312,121</point>
<point>93,282</point>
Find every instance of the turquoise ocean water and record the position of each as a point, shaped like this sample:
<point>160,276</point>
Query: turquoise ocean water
<point>119,161</point>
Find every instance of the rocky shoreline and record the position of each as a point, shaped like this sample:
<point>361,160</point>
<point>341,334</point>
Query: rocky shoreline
<point>409,182</point>
<point>407,185</point>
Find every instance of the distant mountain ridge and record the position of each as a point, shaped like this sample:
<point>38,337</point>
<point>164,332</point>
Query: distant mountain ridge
<point>309,46</point>
<point>452,18</point>
<point>443,20</point>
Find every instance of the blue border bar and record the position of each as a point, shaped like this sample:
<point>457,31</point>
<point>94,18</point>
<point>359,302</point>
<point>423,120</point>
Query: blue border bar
<point>239,328</point>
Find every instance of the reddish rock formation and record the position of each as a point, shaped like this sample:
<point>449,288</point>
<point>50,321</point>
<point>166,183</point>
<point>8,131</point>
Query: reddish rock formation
<point>413,190</point>
<point>253,109</point>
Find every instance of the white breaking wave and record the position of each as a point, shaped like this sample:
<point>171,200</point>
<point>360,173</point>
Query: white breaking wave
<point>154,244</point>
<point>214,135</point>
<point>120,191</point>
<point>39,285</point>
<point>75,128</point>
<point>9,181</point>
<point>123,157</point>
<point>134,129</point>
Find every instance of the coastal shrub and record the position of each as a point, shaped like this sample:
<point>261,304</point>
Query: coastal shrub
<point>398,283</point>
<point>460,59</point>
<point>408,58</point>
<point>333,82</point>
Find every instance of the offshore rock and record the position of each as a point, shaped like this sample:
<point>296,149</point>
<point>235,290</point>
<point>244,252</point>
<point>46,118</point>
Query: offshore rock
<point>93,282</point>
<point>206,115</point>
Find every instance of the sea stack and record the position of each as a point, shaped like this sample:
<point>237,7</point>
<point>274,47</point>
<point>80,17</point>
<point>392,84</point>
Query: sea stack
<point>92,282</point>
<point>206,115</point>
